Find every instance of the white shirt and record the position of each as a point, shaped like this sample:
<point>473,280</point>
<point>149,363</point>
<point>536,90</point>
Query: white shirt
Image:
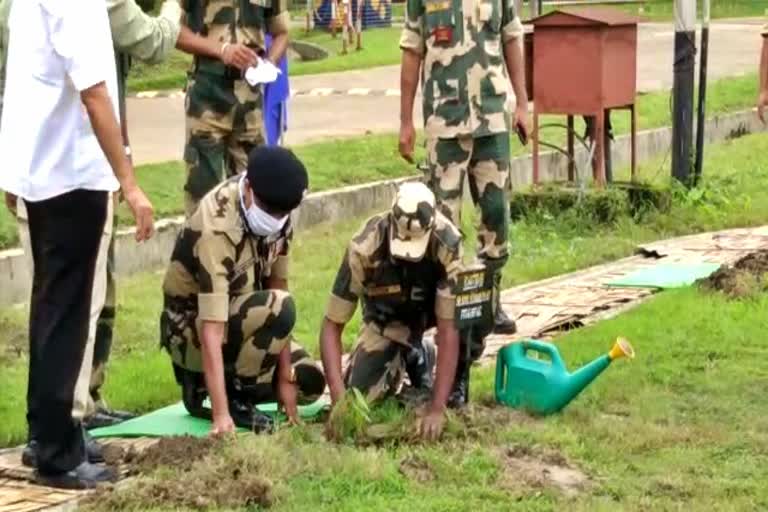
<point>47,146</point>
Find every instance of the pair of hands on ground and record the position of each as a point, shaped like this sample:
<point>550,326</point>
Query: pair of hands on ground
<point>408,133</point>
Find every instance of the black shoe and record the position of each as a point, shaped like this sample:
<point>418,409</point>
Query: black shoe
<point>502,324</point>
<point>84,476</point>
<point>246,416</point>
<point>106,418</point>
<point>459,397</point>
<point>420,364</point>
<point>93,452</point>
<point>120,415</point>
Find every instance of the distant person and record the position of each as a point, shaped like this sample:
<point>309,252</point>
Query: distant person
<point>228,316</point>
<point>224,114</point>
<point>62,157</point>
<point>466,54</point>
<point>762,100</point>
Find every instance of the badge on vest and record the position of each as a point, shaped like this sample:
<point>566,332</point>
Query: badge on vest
<point>443,35</point>
<point>379,291</point>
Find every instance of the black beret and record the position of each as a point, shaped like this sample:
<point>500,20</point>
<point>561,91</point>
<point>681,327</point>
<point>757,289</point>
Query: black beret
<point>277,177</point>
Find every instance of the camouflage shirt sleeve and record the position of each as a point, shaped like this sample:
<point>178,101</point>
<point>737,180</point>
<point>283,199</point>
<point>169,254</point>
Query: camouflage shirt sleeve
<point>511,26</point>
<point>412,37</point>
<point>144,37</point>
<point>278,19</point>
<point>214,251</point>
<point>347,288</point>
<point>5,10</point>
<point>450,255</point>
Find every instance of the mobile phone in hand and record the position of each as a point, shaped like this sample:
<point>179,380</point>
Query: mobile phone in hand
<point>521,134</point>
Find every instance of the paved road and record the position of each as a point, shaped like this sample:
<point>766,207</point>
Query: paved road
<point>157,125</point>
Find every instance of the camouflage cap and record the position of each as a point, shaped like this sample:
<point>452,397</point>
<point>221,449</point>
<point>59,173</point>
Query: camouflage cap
<point>412,220</point>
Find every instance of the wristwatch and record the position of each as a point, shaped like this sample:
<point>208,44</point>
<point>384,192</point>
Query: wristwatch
<point>128,151</point>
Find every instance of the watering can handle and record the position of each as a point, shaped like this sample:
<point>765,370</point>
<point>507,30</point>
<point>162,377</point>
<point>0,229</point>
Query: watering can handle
<point>545,348</point>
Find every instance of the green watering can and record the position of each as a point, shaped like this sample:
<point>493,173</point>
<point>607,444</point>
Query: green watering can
<point>544,387</point>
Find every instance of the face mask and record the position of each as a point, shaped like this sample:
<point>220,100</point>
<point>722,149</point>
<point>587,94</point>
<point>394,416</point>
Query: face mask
<point>259,221</point>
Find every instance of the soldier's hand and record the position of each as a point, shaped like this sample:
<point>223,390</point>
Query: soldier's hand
<point>521,123</point>
<point>142,211</point>
<point>762,102</point>
<point>10,202</point>
<point>407,141</point>
<point>239,56</point>
<point>431,425</point>
<point>286,396</point>
<point>222,425</point>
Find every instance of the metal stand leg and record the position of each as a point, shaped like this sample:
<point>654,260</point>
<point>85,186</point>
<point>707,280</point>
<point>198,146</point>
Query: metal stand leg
<point>599,162</point>
<point>633,136</point>
<point>571,163</point>
<point>535,137</point>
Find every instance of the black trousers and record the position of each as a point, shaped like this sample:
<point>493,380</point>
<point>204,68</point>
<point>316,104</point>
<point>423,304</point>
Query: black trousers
<point>65,234</point>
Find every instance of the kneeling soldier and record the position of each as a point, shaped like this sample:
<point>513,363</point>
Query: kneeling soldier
<point>228,316</point>
<point>403,265</point>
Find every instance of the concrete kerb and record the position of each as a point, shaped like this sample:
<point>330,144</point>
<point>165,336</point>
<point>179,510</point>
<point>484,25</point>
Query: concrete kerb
<point>345,203</point>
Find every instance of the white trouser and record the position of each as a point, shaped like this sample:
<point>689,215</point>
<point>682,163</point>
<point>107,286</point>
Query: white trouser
<point>82,404</point>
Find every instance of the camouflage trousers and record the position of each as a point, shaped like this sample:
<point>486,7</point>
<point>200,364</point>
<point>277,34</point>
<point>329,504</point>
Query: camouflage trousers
<point>224,121</point>
<point>485,161</point>
<point>88,396</point>
<point>377,365</point>
<point>258,329</point>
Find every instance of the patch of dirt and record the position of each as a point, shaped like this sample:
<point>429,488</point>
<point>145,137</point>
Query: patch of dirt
<point>416,469</point>
<point>181,452</point>
<point>744,278</point>
<point>172,474</point>
<point>541,468</point>
<point>478,420</point>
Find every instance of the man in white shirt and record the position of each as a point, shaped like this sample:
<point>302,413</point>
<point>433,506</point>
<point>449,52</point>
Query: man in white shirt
<point>63,154</point>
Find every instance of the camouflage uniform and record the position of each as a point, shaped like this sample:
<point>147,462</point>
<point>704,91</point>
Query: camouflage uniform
<point>217,273</point>
<point>466,103</point>
<point>223,113</point>
<point>400,299</point>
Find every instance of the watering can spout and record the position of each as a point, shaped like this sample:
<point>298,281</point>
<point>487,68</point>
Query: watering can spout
<point>582,377</point>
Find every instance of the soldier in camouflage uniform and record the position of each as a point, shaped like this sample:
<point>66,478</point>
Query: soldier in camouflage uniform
<point>223,112</point>
<point>402,265</point>
<point>468,51</point>
<point>228,315</point>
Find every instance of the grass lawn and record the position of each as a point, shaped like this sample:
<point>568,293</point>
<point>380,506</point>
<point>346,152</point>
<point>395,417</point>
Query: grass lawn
<point>682,426</point>
<point>379,49</point>
<point>662,10</point>
<point>342,162</point>
<point>735,194</point>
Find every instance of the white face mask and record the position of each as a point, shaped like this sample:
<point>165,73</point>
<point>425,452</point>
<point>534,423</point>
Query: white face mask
<point>259,221</point>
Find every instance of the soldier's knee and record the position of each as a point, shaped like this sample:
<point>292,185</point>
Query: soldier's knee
<point>283,317</point>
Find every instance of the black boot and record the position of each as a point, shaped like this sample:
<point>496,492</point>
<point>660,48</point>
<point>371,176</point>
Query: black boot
<point>93,451</point>
<point>502,324</point>
<point>459,396</point>
<point>245,415</point>
<point>420,364</point>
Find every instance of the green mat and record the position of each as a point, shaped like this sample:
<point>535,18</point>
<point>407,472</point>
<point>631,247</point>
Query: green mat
<point>174,420</point>
<point>675,275</point>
